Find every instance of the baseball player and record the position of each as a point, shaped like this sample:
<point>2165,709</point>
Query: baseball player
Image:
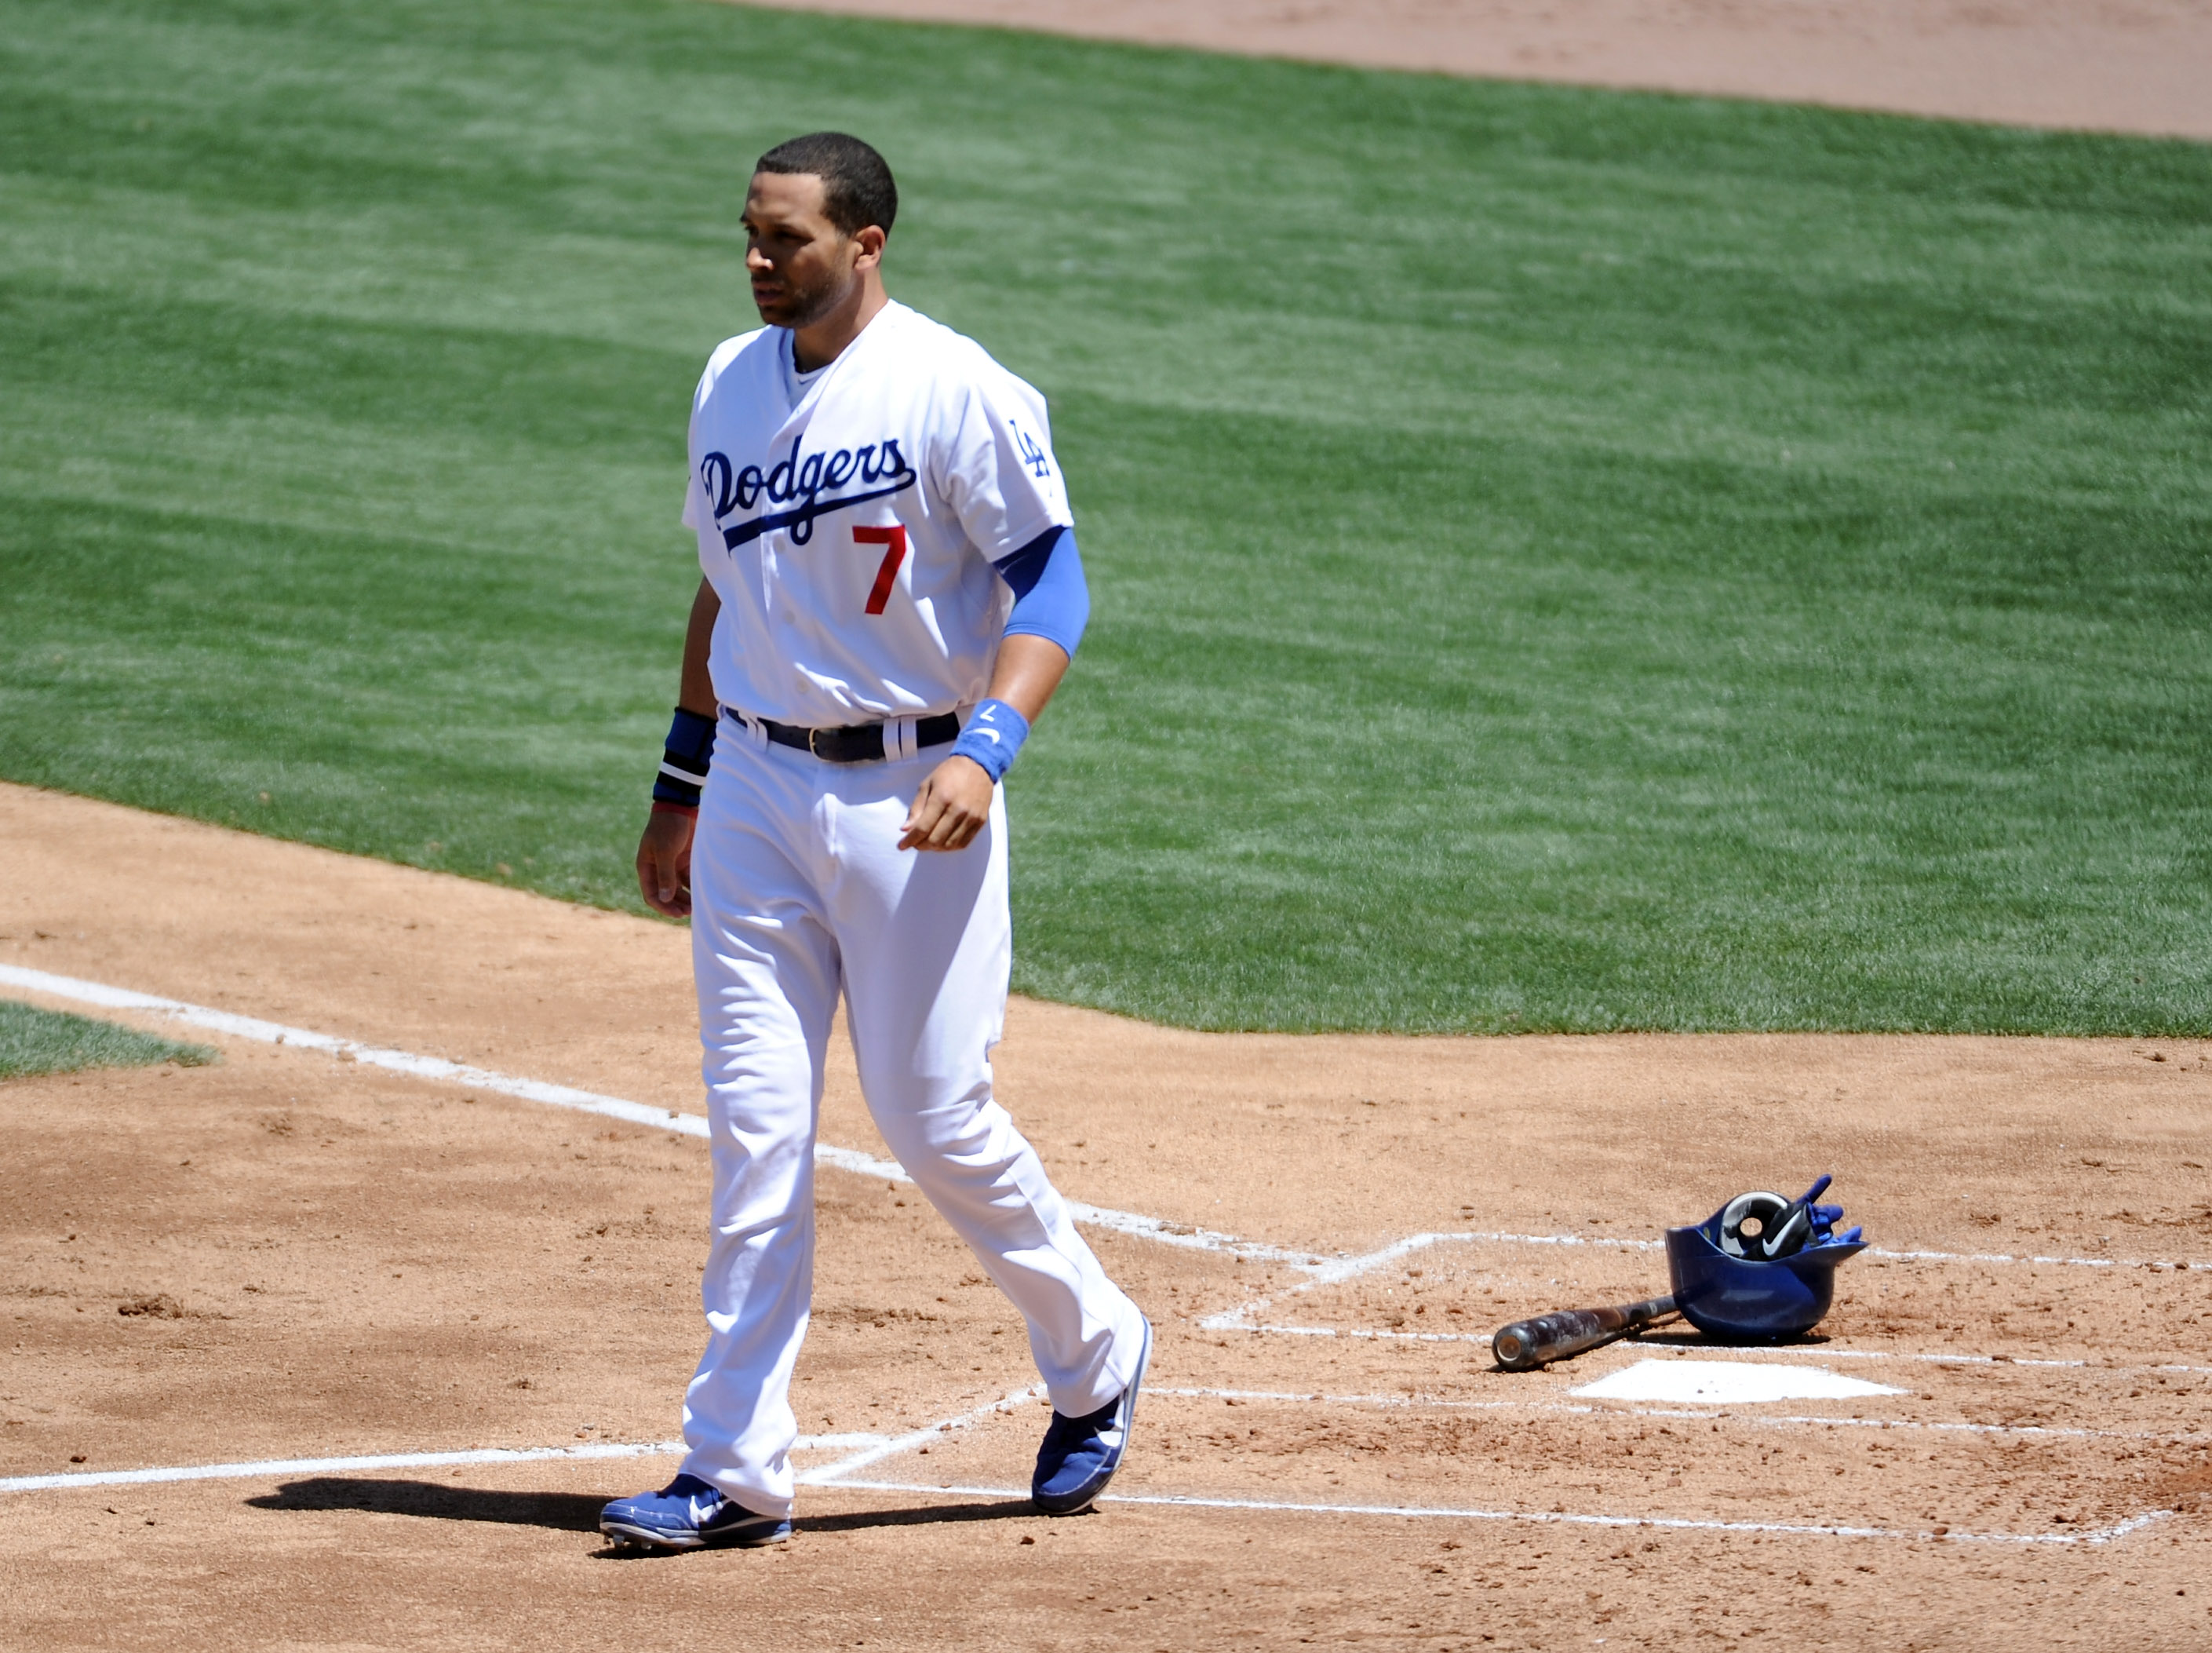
<point>892,593</point>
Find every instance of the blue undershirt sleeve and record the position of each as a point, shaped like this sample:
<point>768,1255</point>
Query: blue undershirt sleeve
<point>1051,599</point>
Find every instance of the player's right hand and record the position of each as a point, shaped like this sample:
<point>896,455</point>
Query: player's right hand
<point>951,808</point>
<point>663,863</point>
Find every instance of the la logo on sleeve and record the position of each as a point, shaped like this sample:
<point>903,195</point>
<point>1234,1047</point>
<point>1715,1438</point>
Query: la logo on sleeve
<point>1032,450</point>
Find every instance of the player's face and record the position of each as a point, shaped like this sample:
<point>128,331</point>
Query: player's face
<point>801,265</point>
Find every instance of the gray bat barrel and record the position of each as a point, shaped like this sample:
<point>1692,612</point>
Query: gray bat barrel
<point>1526,1345</point>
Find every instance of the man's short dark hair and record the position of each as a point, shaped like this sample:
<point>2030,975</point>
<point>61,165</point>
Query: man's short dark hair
<point>857,190</point>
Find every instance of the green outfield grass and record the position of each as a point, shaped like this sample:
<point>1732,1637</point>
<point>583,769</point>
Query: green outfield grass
<point>34,1041</point>
<point>1561,559</point>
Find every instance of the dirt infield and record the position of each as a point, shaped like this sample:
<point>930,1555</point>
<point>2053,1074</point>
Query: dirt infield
<point>322,1259</point>
<point>2107,66</point>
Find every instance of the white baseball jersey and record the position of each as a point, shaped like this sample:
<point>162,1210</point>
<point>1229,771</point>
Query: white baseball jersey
<point>849,521</point>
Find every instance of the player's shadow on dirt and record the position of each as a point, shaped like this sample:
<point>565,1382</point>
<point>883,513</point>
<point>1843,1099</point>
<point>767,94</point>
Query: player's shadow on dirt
<point>566,1512</point>
<point>571,1512</point>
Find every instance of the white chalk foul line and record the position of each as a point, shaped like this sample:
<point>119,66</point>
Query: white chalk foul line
<point>587,1102</point>
<point>406,1061</point>
<point>871,1448</point>
<point>1320,1270</point>
<point>263,1467</point>
<point>1550,1518</point>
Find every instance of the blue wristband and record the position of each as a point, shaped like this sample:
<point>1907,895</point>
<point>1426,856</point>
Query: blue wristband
<point>994,735</point>
<point>685,762</point>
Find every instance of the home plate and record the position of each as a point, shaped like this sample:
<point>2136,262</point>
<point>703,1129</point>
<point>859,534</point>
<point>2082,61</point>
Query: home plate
<point>1728,1383</point>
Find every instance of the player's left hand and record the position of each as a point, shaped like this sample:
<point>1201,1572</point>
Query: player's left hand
<point>951,808</point>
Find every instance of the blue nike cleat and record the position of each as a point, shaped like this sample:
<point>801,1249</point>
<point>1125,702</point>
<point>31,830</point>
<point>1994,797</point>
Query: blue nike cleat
<point>688,1514</point>
<point>1080,1454</point>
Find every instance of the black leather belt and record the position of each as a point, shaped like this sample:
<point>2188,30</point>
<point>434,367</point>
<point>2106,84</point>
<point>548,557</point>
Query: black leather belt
<point>857,743</point>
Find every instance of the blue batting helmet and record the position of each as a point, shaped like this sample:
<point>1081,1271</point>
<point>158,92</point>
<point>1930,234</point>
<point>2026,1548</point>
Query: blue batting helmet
<point>1761,1268</point>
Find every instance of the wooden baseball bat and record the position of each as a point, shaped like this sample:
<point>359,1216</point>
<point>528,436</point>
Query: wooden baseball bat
<point>1526,1345</point>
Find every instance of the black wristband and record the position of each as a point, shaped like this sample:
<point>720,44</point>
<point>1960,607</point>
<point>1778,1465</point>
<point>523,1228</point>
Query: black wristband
<point>684,761</point>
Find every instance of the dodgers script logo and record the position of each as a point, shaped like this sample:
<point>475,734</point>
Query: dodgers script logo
<point>799,483</point>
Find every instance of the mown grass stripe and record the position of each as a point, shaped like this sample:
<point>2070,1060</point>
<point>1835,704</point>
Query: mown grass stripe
<point>1562,560</point>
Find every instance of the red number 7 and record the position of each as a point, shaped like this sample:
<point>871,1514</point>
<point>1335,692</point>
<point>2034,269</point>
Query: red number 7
<point>894,538</point>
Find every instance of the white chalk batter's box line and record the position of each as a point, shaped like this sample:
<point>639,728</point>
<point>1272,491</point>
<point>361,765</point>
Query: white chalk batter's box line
<point>1223,1322</point>
<point>1241,1318</point>
<point>1460,1236</point>
<point>1719,1412</point>
<point>1548,1518</point>
<point>1338,1271</point>
<point>1323,1271</point>
<point>874,1447</point>
<point>1320,1270</point>
<point>839,1476</point>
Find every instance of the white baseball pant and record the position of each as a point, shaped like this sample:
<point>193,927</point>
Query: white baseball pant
<point>797,889</point>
